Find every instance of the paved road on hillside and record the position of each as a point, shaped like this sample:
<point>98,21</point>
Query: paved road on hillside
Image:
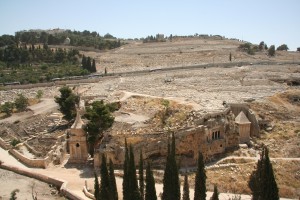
<point>96,78</point>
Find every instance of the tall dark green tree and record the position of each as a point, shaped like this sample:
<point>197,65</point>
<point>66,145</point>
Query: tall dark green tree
<point>150,193</point>
<point>96,187</point>
<point>215,195</point>
<point>112,181</point>
<point>141,175</point>
<point>67,102</point>
<point>200,180</point>
<point>105,191</point>
<point>93,69</point>
<point>186,188</point>
<point>133,184</point>
<point>89,64</point>
<point>171,184</point>
<point>125,185</point>
<point>83,62</point>
<point>262,181</point>
<point>230,56</point>
<point>130,184</point>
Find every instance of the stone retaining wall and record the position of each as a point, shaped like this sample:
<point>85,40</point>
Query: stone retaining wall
<point>38,163</point>
<point>47,179</point>
<point>42,162</point>
<point>87,193</point>
<point>3,144</point>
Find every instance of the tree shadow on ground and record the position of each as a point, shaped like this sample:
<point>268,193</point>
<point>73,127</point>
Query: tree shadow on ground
<point>86,169</point>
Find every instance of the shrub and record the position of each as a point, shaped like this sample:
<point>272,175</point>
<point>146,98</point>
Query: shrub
<point>14,142</point>
<point>282,47</point>
<point>7,108</point>
<point>249,48</point>
<point>271,51</point>
<point>21,102</point>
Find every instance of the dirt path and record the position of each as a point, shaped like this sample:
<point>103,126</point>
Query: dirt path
<point>44,107</point>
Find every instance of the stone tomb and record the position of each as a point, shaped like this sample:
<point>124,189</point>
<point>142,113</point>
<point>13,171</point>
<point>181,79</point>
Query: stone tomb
<point>243,127</point>
<point>77,142</point>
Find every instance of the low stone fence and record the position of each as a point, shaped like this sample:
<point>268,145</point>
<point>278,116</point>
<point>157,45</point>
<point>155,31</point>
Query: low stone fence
<point>41,162</point>
<point>3,144</point>
<point>87,193</point>
<point>38,163</point>
<point>47,179</point>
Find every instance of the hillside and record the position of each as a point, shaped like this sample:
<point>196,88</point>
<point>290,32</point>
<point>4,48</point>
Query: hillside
<point>197,100</point>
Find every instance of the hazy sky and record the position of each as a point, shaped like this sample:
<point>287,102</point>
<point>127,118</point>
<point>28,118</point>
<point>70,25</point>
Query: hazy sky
<point>273,21</point>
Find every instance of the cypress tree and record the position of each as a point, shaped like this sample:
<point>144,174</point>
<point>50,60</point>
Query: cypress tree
<point>262,181</point>
<point>254,181</point>
<point>166,179</point>
<point>150,193</point>
<point>171,184</point>
<point>186,188</point>
<point>133,185</point>
<point>94,66</point>
<point>141,175</point>
<point>83,62</point>
<point>104,185</point>
<point>270,189</point>
<point>230,57</point>
<point>89,64</point>
<point>200,180</point>
<point>215,195</point>
<point>112,181</point>
<point>125,176</point>
<point>96,187</point>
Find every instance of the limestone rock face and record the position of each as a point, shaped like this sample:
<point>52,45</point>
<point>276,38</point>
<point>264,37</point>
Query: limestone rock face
<point>211,134</point>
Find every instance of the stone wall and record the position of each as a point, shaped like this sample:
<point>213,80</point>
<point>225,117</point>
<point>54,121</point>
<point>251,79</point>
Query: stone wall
<point>38,163</point>
<point>3,144</point>
<point>47,179</point>
<point>55,155</point>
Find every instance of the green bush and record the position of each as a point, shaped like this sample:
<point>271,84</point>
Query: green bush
<point>14,142</point>
<point>282,47</point>
<point>271,51</point>
<point>249,48</point>
<point>21,102</point>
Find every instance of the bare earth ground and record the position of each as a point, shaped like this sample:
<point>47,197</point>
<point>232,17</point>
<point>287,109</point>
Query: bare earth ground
<point>202,90</point>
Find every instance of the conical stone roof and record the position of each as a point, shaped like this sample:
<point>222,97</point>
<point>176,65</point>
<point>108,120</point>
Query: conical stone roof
<point>242,119</point>
<point>78,122</point>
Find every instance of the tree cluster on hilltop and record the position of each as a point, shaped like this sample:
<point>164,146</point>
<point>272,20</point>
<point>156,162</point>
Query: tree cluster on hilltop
<point>77,38</point>
<point>14,55</point>
<point>36,63</point>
